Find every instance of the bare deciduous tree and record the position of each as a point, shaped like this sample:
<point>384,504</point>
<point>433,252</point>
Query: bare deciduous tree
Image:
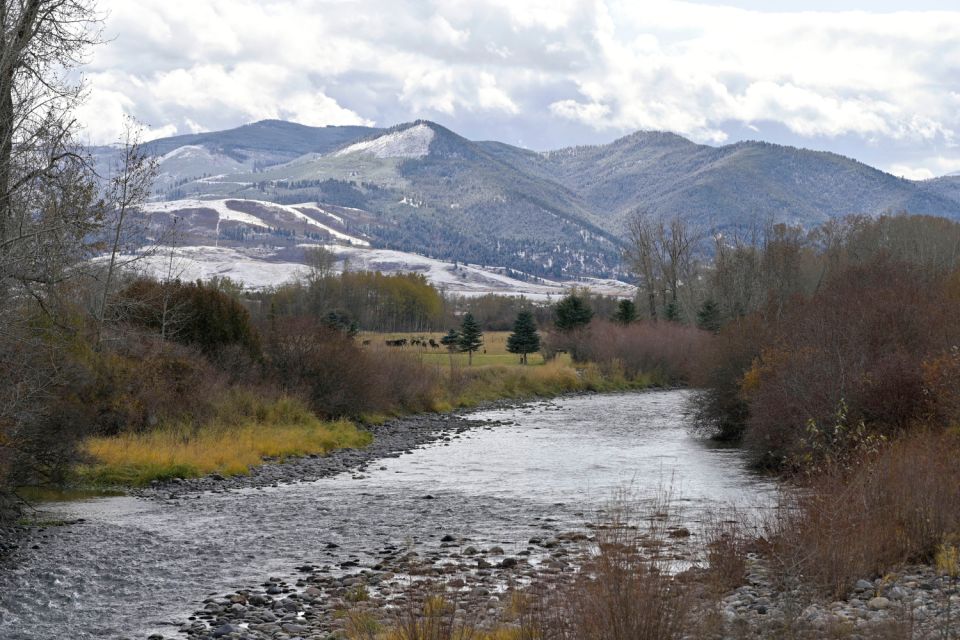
<point>663,254</point>
<point>127,189</point>
<point>41,170</point>
<point>48,211</point>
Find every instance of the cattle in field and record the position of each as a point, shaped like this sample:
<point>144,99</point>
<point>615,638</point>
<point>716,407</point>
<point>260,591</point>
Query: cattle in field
<point>433,344</point>
<point>402,342</point>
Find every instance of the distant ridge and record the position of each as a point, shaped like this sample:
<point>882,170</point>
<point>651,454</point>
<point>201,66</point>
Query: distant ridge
<point>288,138</point>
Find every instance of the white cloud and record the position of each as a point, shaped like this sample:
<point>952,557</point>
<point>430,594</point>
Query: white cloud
<point>927,168</point>
<point>153,133</point>
<point>601,66</point>
<point>102,116</point>
<point>911,173</point>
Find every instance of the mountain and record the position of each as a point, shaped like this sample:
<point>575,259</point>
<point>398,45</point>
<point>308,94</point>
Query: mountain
<point>191,158</point>
<point>417,187</point>
<point>734,185</point>
<point>421,188</point>
<point>944,187</point>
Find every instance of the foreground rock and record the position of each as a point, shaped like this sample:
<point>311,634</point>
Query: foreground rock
<point>914,602</point>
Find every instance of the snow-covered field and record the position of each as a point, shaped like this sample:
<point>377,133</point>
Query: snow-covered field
<point>259,268</point>
<point>252,267</point>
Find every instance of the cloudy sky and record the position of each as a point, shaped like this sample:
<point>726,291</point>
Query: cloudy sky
<point>873,79</point>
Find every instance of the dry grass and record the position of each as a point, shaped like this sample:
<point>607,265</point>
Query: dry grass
<point>433,619</point>
<point>899,505</point>
<point>627,590</point>
<point>730,535</point>
<point>469,386</point>
<point>236,441</point>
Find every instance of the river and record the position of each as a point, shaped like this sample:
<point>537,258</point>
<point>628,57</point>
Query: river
<point>135,566</point>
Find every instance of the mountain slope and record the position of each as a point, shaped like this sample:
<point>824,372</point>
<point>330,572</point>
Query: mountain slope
<point>434,192</point>
<point>733,185</point>
<point>419,187</point>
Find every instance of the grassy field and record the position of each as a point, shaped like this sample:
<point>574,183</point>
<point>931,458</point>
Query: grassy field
<point>493,352</point>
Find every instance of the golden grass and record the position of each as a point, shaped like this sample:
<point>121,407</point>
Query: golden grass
<point>470,386</point>
<point>277,429</point>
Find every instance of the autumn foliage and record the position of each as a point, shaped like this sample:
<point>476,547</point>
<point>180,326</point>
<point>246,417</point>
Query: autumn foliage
<point>860,345</point>
<point>867,344</point>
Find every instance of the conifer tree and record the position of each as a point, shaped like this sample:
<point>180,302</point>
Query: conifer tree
<point>470,338</point>
<point>708,317</point>
<point>451,342</point>
<point>672,312</point>
<point>626,312</point>
<point>572,312</point>
<point>524,339</point>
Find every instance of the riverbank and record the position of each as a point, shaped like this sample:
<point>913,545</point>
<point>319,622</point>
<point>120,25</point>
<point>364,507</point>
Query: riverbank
<point>247,431</point>
<point>389,439</point>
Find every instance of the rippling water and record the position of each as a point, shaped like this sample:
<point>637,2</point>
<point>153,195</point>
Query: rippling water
<point>136,566</point>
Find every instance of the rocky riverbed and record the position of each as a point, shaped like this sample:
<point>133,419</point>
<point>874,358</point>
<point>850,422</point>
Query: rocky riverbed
<point>912,602</point>
<point>478,583</point>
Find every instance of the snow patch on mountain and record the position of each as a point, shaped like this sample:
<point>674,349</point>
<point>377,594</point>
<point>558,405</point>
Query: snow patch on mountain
<point>225,212</point>
<point>413,142</point>
<point>189,151</point>
<point>220,206</point>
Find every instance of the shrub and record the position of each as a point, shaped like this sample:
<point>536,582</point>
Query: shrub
<point>338,378</point>
<point>859,343</point>
<point>666,351</point>
<point>141,384</point>
<point>195,314</point>
<point>898,505</point>
<point>720,407</point>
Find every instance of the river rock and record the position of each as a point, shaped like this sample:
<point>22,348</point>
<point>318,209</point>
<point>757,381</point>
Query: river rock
<point>226,629</point>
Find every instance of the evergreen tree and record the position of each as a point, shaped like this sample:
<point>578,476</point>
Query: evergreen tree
<point>451,341</point>
<point>572,312</point>
<point>626,312</point>
<point>672,312</point>
<point>340,321</point>
<point>470,338</point>
<point>708,318</point>
<point>524,338</point>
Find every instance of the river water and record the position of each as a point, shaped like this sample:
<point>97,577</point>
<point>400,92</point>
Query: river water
<point>136,566</point>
